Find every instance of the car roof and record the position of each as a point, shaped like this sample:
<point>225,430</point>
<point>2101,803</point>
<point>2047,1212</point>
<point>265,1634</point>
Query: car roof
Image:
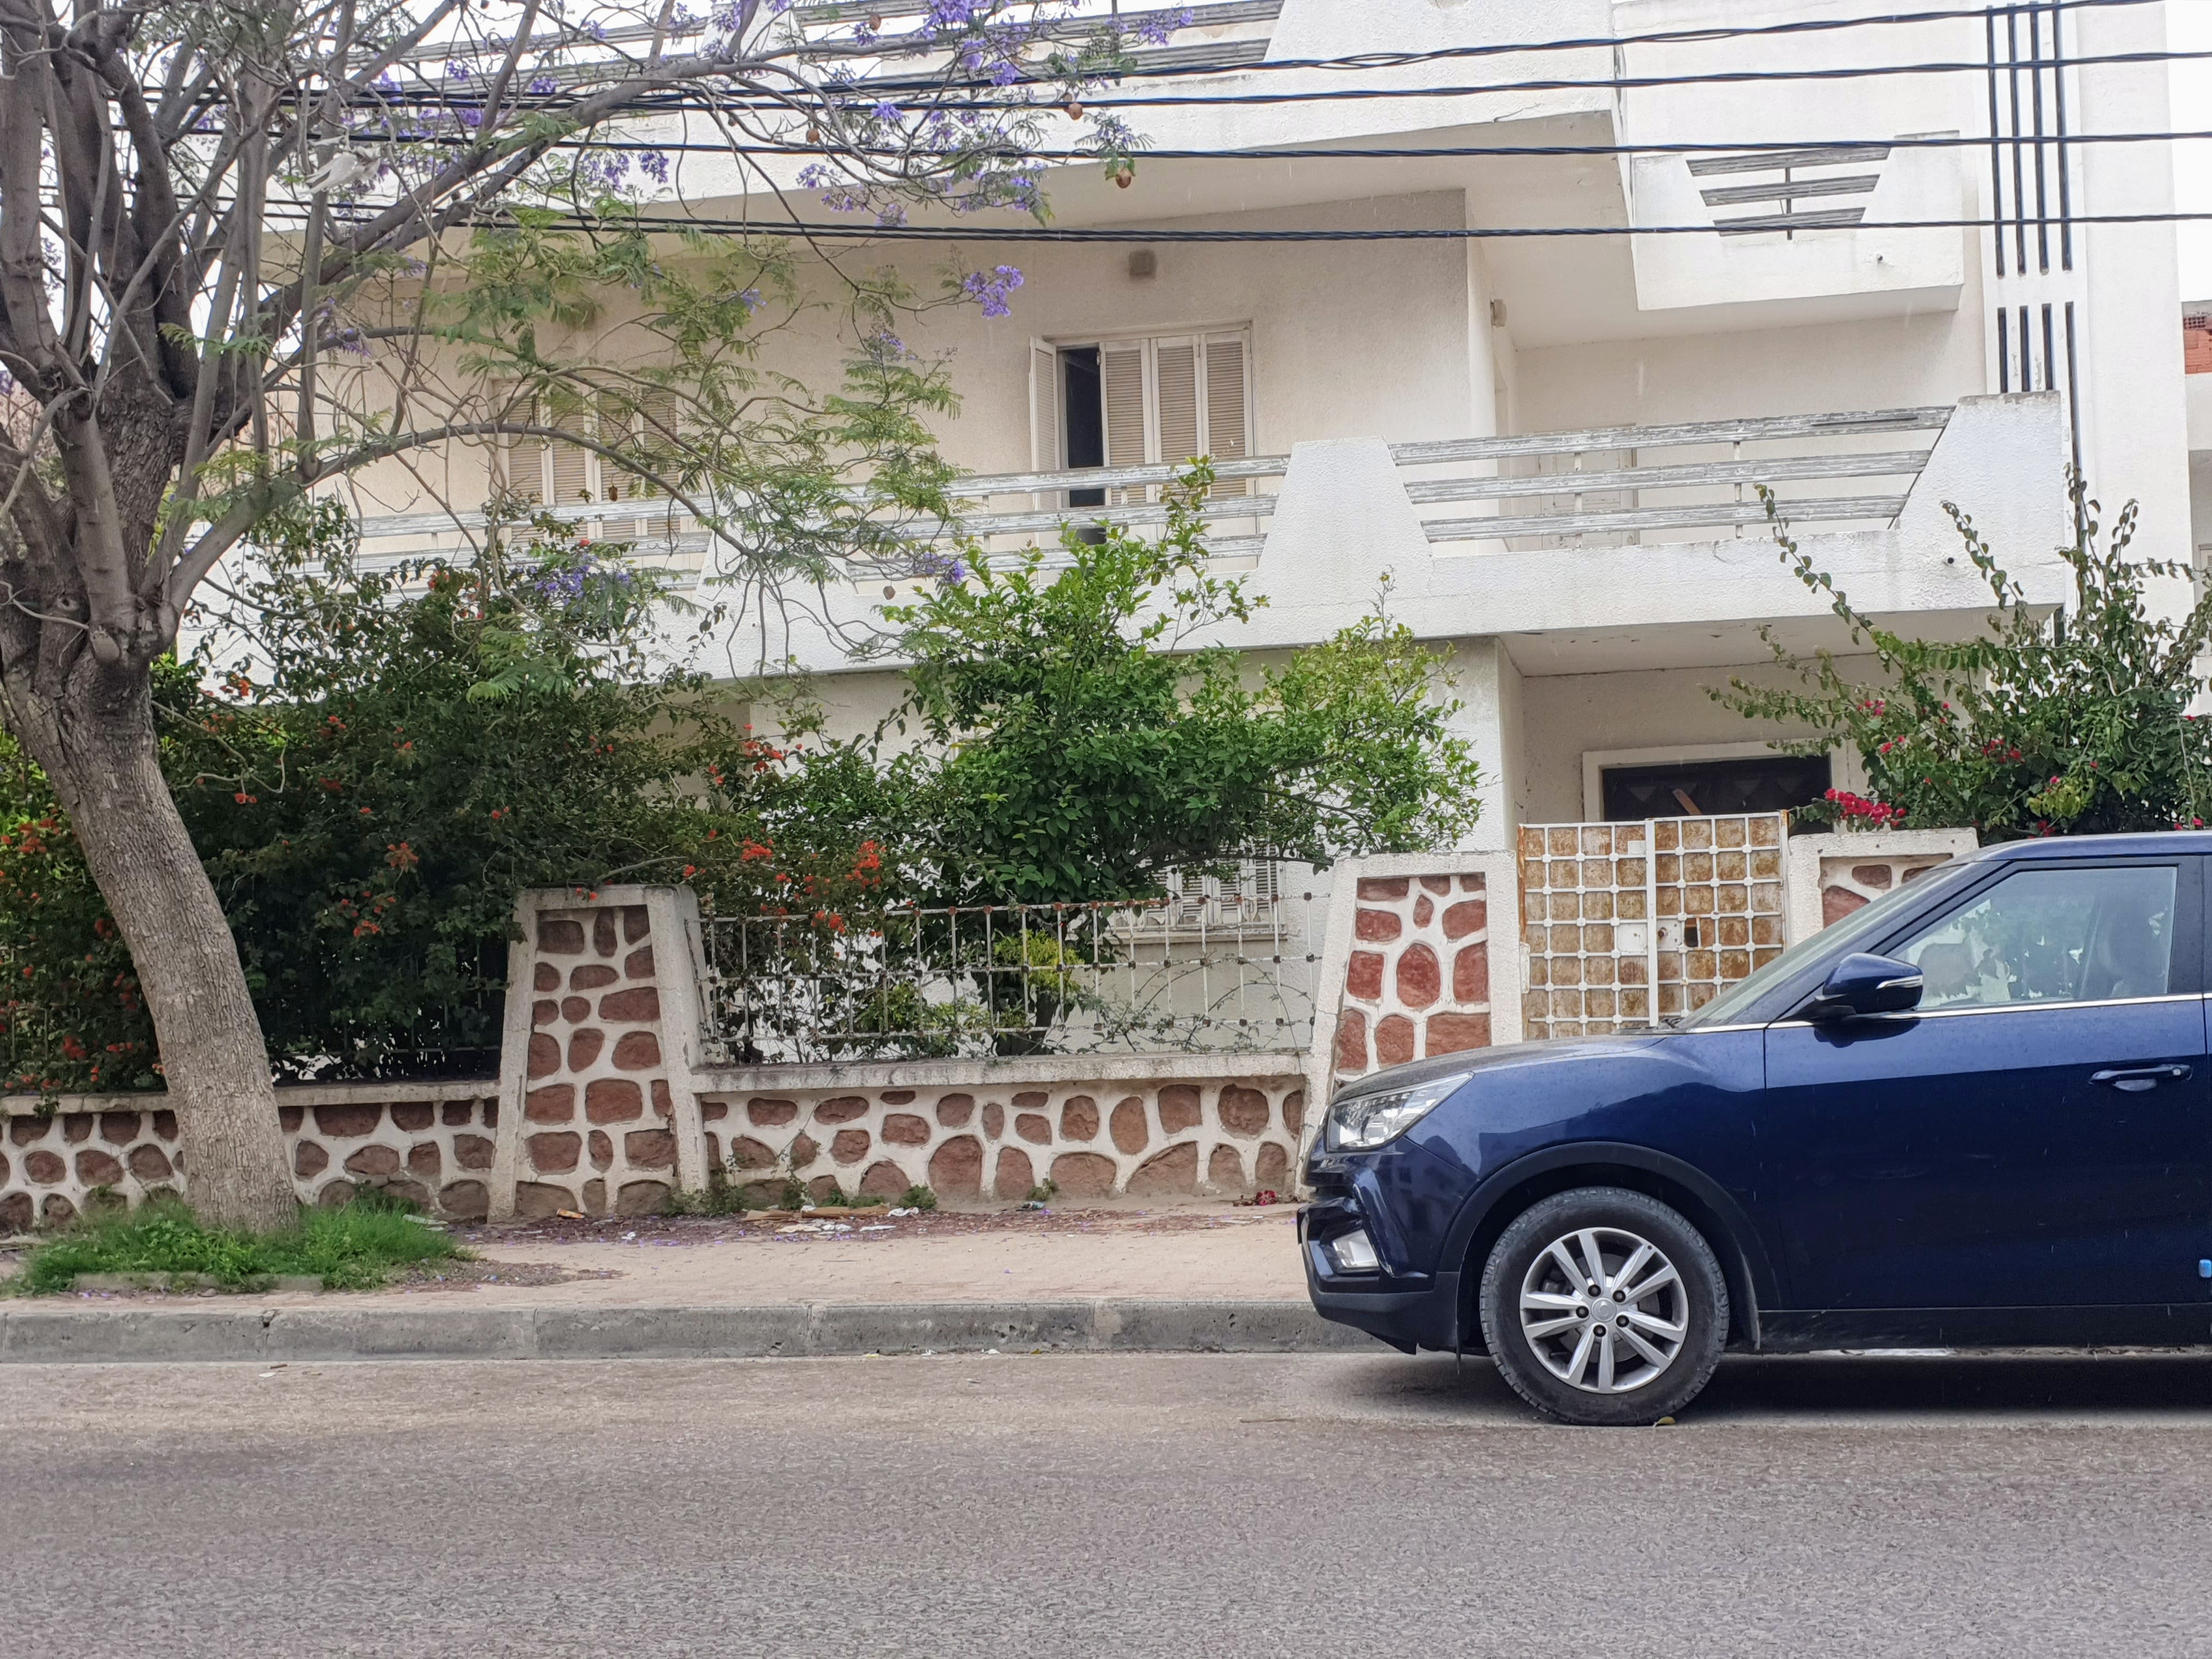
<point>2063,847</point>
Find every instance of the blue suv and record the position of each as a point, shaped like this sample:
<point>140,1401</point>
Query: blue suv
<point>1972,1113</point>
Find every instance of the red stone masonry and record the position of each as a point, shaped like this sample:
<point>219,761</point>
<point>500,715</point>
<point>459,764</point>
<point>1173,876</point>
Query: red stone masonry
<point>597,1128</point>
<point>430,1143</point>
<point>1417,979</point>
<point>1146,1136</point>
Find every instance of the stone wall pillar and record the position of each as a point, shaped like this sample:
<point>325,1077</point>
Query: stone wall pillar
<point>1407,969</point>
<point>600,1112</point>
<point>1830,875</point>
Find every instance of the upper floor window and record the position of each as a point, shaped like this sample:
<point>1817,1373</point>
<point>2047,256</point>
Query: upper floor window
<point>556,472</point>
<point>1140,401</point>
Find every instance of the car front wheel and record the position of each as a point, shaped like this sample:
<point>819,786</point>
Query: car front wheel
<point>1605,1307</point>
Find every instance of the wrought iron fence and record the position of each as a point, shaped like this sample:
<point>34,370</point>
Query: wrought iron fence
<point>1216,972</point>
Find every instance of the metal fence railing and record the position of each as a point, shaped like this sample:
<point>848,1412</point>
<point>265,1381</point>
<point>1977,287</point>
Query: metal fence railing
<point>1213,974</point>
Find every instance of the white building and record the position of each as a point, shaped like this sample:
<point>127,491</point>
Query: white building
<point>1548,444</point>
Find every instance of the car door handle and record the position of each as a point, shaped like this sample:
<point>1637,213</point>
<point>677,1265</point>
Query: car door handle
<point>2135,1080</point>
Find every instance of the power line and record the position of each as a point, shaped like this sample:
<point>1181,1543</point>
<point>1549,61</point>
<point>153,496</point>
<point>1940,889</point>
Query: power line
<point>1371,60</point>
<point>860,93</point>
<point>911,45</point>
<point>1737,147</point>
<point>1589,83</point>
<point>1113,234</point>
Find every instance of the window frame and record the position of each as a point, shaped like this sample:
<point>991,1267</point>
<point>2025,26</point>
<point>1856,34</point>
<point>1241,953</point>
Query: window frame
<point>1151,338</point>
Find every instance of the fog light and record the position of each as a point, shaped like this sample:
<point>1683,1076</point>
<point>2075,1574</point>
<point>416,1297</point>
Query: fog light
<point>1355,1253</point>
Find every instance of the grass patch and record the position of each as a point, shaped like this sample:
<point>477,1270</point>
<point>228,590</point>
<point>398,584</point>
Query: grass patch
<point>353,1247</point>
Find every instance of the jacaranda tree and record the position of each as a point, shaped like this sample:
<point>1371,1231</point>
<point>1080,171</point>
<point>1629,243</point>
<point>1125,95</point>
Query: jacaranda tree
<point>248,249</point>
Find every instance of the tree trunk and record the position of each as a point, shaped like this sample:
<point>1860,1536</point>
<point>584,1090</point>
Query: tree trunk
<point>95,740</point>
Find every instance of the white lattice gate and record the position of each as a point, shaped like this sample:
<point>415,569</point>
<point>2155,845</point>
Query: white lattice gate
<point>1612,912</point>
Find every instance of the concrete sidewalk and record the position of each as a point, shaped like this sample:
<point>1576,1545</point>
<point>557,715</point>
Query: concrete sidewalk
<point>1203,1278</point>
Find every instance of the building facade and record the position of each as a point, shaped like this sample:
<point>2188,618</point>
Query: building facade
<point>1876,293</point>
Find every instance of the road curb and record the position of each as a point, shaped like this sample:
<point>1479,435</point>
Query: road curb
<point>37,1335</point>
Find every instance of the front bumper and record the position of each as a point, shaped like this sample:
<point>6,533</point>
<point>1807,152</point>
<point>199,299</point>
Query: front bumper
<point>1406,1310</point>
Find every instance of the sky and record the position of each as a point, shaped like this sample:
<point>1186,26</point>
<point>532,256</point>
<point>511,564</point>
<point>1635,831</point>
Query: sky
<point>2189,28</point>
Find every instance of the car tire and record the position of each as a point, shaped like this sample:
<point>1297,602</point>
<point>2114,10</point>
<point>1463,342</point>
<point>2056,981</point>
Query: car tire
<point>1662,1290</point>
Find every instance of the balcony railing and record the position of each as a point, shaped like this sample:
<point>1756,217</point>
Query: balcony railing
<point>1596,487</point>
<point>1545,486</point>
<point>1597,482</point>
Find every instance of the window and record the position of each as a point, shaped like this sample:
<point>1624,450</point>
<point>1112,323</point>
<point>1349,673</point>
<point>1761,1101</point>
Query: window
<point>1141,402</point>
<point>1249,891</point>
<point>563,474</point>
<point>2051,936</point>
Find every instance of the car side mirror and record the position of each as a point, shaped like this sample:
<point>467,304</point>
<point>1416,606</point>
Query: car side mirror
<point>1863,983</point>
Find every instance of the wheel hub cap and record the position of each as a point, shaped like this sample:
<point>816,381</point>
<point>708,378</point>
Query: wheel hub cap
<point>1604,1310</point>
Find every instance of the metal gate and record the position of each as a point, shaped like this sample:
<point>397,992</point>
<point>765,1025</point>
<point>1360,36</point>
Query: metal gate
<point>1612,912</point>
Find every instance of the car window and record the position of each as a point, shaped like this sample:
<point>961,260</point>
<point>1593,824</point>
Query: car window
<point>2065,935</point>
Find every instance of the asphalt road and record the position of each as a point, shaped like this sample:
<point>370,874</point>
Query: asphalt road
<point>1112,1506</point>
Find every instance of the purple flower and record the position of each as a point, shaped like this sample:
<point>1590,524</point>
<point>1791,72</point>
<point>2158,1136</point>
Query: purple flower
<point>544,86</point>
<point>1155,31</point>
<point>991,287</point>
<point>946,567</point>
<point>460,71</point>
<point>653,165</point>
<point>886,112</point>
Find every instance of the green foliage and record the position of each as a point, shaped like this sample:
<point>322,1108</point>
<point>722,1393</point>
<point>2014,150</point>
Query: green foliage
<point>399,753</point>
<point>351,1247</point>
<point>918,1197</point>
<point>719,1196</point>
<point>1082,741</point>
<point>2074,724</point>
<point>390,756</point>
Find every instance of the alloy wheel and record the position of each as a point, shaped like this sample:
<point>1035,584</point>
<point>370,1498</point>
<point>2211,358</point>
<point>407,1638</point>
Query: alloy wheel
<point>1604,1310</point>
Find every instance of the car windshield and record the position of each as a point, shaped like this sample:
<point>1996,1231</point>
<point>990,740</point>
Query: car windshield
<point>1863,923</point>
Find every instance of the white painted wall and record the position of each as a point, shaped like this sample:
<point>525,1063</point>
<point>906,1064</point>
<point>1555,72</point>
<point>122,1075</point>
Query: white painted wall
<point>1565,716</point>
<point>2134,417</point>
<point>1886,363</point>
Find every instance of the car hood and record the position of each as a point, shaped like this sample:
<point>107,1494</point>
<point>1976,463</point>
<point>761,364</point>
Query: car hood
<point>1551,1052</point>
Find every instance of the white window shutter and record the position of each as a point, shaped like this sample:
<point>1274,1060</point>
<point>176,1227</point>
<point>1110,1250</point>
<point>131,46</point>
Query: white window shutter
<point>1121,368</point>
<point>1047,451</point>
<point>617,427</point>
<point>571,472</point>
<point>521,460</point>
<point>1179,437</point>
<point>1228,407</point>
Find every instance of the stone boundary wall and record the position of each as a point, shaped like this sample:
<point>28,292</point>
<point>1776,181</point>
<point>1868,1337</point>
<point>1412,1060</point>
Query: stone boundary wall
<point>432,1142</point>
<point>1417,977</point>
<point>984,1129</point>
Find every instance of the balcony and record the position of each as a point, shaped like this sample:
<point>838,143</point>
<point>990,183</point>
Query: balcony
<point>1575,535</point>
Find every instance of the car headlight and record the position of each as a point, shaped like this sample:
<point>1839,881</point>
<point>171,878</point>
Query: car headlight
<point>1357,1122</point>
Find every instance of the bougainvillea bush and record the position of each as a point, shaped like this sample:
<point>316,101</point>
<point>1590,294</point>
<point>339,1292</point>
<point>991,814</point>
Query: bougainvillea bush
<point>2077,722</point>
